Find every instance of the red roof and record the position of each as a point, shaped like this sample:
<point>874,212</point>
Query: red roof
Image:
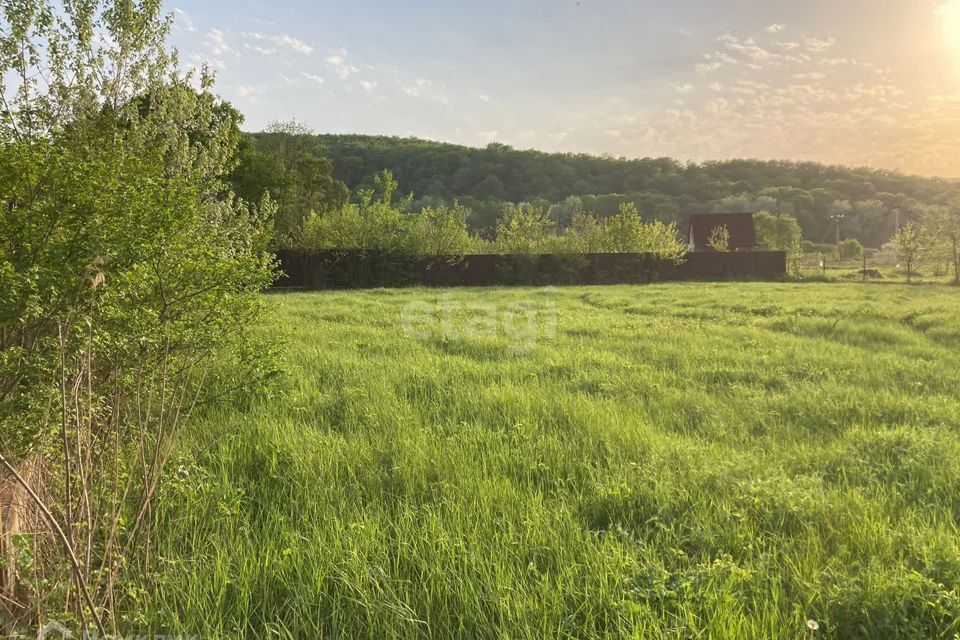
<point>743,235</point>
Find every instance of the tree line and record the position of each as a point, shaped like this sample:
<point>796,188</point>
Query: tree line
<point>934,239</point>
<point>318,211</point>
<point>307,172</point>
<point>378,221</point>
<point>426,198</point>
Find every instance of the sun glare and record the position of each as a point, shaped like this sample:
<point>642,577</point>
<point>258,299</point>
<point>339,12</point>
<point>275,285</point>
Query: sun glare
<point>948,12</point>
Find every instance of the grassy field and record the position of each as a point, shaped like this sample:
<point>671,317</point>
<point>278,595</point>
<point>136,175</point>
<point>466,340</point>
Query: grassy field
<point>669,461</point>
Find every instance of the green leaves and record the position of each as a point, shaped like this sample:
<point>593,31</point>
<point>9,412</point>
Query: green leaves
<point>625,232</point>
<point>129,272</point>
<point>525,229</point>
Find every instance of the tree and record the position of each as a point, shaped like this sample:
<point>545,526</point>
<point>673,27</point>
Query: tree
<point>285,161</point>
<point>779,233</point>
<point>341,228</point>
<point>442,231</point>
<point>662,240</point>
<point>719,239</point>
<point>627,233</point>
<point>584,234</point>
<point>849,250</point>
<point>129,280</point>
<point>624,232</point>
<point>490,188</point>
<point>908,243</point>
<point>942,231</point>
<point>524,229</point>
<point>872,224</point>
<point>386,227</point>
<point>564,212</point>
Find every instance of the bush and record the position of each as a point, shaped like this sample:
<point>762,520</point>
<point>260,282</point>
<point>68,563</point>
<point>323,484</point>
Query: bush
<point>130,274</point>
<point>849,250</point>
<point>778,233</point>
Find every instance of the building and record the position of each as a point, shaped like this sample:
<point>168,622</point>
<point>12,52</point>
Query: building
<point>743,234</point>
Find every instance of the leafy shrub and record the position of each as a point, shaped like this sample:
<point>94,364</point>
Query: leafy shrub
<point>130,272</point>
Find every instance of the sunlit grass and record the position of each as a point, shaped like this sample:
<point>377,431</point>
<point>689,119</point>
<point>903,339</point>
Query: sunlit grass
<point>709,461</point>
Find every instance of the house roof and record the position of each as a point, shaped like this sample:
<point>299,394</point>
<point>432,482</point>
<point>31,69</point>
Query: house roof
<point>740,226</point>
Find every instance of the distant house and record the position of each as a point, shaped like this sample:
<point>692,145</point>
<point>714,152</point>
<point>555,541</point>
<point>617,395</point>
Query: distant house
<point>743,235</point>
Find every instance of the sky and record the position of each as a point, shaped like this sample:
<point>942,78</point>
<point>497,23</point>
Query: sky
<point>856,82</point>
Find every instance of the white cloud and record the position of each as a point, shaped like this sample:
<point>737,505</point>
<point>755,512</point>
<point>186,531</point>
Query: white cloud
<point>819,45</point>
<point>183,20</point>
<point>339,65</point>
<point>775,28</point>
<point>684,88</point>
<point>295,44</point>
<point>767,99</point>
<point>952,98</point>
<point>282,41</point>
<point>752,54</point>
<point>707,67</point>
<point>368,85</point>
<point>416,88</point>
<point>218,42</point>
<point>714,61</point>
<point>264,51</point>
<point>748,88</point>
<point>312,76</point>
<point>784,100</point>
<point>425,89</point>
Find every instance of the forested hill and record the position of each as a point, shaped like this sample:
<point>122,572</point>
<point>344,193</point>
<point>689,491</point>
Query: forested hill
<point>868,201</point>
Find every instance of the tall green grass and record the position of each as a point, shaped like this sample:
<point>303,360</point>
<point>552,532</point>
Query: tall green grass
<point>677,461</point>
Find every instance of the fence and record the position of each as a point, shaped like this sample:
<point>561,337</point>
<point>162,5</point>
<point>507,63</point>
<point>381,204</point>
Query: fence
<point>360,269</point>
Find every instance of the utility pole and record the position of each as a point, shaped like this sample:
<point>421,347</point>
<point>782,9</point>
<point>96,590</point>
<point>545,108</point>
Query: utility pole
<point>838,218</point>
<point>840,210</point>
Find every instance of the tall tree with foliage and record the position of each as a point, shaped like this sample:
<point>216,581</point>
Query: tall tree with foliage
<point>129,279</point>
<point>285,162</point>
<point>779,233</point>
<point>908,243</point>
<point>524,229</point>
<point>942,230</point>
<point>584,234</point>
<point>624,232</point>
<point>442,231</point>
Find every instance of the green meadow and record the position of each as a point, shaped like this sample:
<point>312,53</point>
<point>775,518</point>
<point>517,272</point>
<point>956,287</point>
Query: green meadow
<point>663,461</point>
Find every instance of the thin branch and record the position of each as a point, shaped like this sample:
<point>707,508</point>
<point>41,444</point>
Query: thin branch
<point>58,530</point>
